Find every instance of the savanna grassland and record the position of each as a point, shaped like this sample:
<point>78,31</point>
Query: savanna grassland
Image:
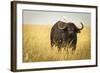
<point>36,45</point>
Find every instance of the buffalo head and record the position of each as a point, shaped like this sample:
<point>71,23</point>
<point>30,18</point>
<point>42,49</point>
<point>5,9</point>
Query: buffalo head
<point>70,27</point>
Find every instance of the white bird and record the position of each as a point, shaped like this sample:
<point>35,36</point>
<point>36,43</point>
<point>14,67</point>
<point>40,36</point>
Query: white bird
<point>63,18</point>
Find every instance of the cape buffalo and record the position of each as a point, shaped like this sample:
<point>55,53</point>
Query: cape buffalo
<point>64,35</point>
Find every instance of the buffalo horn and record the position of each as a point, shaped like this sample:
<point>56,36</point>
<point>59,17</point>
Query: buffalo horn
<point>82,26</point>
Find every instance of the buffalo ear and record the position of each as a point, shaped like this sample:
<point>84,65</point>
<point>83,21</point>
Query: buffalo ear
<point>77,30</point>
<point>62,25</point>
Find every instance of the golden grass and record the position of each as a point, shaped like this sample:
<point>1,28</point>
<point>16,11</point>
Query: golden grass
<point>36,45</point>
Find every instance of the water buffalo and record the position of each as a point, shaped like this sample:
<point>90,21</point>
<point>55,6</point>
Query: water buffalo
<point>64,35</point>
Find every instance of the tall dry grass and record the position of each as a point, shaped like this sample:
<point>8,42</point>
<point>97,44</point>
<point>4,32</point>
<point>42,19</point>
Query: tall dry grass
<point>36,45</point>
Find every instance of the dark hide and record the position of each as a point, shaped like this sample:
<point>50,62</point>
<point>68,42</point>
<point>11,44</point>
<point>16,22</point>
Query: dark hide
<point>64,35</point>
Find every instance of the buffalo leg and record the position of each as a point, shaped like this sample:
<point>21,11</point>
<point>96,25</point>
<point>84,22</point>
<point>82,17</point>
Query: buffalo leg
<point>73,49</point>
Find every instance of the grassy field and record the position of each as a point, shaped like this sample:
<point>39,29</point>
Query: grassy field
<point>36,45</point>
